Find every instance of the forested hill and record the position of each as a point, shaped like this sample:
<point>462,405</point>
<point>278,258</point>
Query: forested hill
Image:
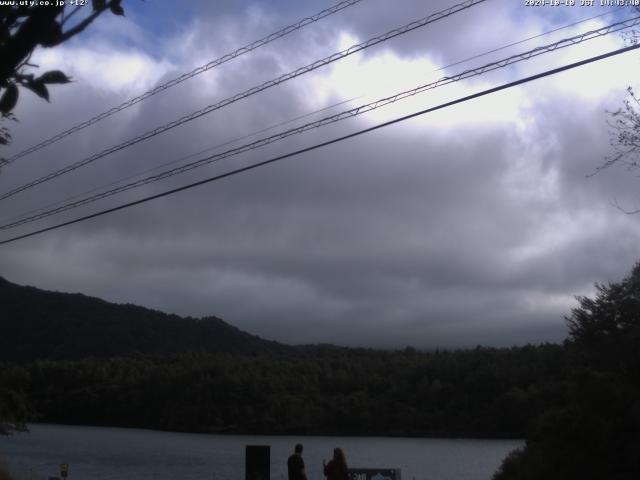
<point>39,324</point>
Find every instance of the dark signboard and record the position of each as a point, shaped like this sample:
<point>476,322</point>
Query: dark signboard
<point>257,462</point>
<point>374,474</point>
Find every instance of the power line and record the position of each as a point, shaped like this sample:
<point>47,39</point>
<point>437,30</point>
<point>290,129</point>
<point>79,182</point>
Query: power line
<point>252,91</point>
<point>186,76</point>
<point>279,124</point>
<point>548,32</point>
<point>333,119</point>
<point>181,159</point>
<point>330,142</point>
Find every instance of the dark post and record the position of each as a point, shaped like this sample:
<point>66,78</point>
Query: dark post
<point>257,462</point>
<point>64,470</point>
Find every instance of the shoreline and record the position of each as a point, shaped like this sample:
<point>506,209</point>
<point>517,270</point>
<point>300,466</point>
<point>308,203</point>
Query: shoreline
<point>291,434</point>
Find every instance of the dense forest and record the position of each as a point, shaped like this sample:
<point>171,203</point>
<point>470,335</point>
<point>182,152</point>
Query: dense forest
<point>77,359</point>
<point>480,392</point>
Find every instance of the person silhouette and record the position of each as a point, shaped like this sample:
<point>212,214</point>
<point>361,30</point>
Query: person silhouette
<point>336,469</point>
<point>295,464</point>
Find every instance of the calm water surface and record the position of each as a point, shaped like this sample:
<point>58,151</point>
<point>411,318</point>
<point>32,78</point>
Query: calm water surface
<point>126,454</point>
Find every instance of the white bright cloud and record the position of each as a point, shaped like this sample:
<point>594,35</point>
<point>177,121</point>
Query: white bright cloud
<point>120,72</point>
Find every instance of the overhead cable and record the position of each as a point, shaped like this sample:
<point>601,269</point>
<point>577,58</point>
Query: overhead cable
<point>252,91</point>
<point>180,159</point>
<point>291,120</point>
<point>353,112</point>
<point>185,76</point>
<point>329,142</point>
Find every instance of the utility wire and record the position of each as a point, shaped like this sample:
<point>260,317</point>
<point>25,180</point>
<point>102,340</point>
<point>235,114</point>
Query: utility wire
<point>252,91</point>
<point>186,76</point>
<point>271,127</point>
<point>182,159</point>
<point>353,112</point>
<point>548,32</point>
<point>330,142</point>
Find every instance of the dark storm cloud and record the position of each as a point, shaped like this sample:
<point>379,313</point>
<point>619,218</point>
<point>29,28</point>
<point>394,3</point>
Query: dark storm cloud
<point>458,229</point>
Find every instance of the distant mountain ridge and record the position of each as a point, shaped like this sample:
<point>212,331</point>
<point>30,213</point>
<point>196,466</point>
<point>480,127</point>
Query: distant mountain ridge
<point>40,324</point>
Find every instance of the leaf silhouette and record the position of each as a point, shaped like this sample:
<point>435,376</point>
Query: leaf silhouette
<point>9,98</point>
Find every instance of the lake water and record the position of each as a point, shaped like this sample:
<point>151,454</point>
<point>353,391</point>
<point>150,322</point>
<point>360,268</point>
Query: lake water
<point>97,453</point>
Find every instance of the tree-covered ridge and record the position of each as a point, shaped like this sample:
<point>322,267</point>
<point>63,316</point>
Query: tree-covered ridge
<point>38,324</point>
<point>479,392</point>
<point>593,430</point>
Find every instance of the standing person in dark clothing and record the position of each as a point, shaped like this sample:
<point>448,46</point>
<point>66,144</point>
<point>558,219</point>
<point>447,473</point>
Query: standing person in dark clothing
<point>336,469</point>
<point>295,464</point>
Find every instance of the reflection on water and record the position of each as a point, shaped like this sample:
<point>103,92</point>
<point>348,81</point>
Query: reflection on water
<point>126,454</point>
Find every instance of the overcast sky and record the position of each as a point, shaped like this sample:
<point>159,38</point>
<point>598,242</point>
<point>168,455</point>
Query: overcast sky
<point>473,225</point>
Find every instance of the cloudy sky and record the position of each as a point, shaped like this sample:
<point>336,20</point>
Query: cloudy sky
<point>476,224</point>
